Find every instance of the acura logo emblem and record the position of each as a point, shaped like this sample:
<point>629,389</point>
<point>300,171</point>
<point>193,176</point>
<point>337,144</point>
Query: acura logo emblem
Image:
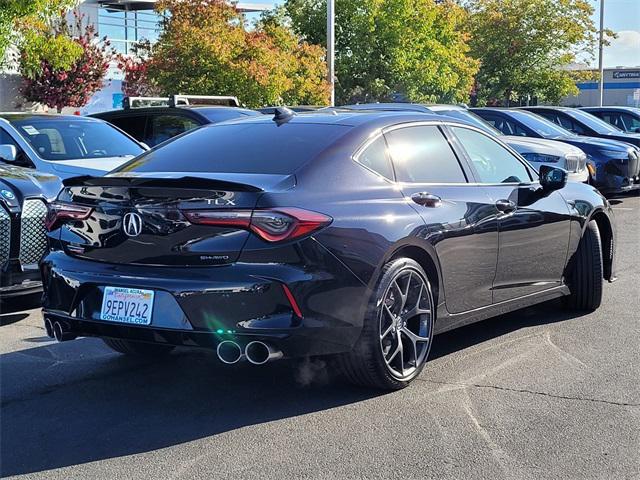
<point>132,224</point>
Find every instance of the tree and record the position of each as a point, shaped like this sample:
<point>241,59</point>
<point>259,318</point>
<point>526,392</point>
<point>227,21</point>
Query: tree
<point>26,25</point>
<point>135,66</point>
<point>73,86</point>
<point>413,49</point>
<point>205,48</point>
<point>524,47</point>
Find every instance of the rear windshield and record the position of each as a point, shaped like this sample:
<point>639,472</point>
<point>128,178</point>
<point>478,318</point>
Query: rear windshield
<point>240,148</point>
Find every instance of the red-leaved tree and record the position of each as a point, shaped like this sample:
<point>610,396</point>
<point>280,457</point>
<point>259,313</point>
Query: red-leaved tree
<point>135,67</point>
<point>72,87</point>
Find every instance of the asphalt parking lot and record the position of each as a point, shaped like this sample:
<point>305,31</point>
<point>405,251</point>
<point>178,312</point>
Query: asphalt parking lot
<point>540,393</point>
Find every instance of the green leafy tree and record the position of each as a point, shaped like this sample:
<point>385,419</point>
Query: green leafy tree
<point>411,48</point>
<point>205,48</point>
<point>525,46</point>
<point>27,25</point>
<point>73,86</point>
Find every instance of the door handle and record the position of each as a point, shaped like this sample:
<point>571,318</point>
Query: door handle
<point>426,199</point>
<point>506,206</point>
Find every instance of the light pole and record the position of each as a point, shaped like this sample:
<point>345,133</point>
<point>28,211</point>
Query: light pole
<point>331,37</point>
<point>600,49</point>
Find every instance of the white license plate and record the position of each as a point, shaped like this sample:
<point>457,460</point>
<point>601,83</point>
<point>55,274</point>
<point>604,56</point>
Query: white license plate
<point>127,305</point>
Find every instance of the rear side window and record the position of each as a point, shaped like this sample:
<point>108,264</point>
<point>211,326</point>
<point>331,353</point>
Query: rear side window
<point>240,148</point>
<point>134,125</point>
<point>376,157</point>
<point>164,127</point>
<point>422,154</point>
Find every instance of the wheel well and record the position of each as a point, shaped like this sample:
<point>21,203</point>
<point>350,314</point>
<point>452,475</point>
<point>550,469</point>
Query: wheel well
<point>426,262</point>
<point>606,235</point>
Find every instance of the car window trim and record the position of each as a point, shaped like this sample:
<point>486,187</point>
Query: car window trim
<point>367,143</point>
<point>533,179</point>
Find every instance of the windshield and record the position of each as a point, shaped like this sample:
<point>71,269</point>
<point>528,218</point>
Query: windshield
<point>471,118</point>
<point>594,122</point>
<point>244,147</point>
<point>542,126</point>
<point>58,139</point>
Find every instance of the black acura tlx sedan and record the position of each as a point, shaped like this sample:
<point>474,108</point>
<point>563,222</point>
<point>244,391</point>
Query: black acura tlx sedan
<point>355,235</point>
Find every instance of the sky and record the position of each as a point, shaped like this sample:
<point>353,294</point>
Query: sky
<point>621,16</point>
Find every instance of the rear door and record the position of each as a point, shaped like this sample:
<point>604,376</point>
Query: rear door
<point>534,226</point>
<point>460,220</point>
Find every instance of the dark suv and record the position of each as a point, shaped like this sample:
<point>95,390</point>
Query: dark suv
<point>153,120</point>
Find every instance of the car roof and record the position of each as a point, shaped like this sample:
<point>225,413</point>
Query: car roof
<point>622,108</point>
<point>549,107</point>
<point>19,116</point>
<point>349,118</point>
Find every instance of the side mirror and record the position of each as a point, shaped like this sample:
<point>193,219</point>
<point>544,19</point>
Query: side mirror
<point>552,178</point>
<point>8,153</point>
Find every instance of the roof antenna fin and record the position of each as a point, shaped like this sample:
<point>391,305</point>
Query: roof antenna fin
<point>283,115</point>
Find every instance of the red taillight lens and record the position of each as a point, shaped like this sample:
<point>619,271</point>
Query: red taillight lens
<point>271,225</point>
<point>59,212</point>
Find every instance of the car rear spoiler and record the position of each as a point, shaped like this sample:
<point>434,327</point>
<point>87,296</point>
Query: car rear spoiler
<point>196,183</point>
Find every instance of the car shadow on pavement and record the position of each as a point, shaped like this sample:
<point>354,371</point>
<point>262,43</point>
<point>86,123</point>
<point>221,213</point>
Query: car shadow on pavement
<point>75,402</point>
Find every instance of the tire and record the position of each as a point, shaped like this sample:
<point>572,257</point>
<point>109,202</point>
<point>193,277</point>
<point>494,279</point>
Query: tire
<point>138,349</point>
<point>392,316</point>
<point>586,274</point>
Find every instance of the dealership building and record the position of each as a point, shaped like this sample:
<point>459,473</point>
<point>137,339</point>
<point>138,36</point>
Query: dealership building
<point>123,22</point>
<point>621,87</point>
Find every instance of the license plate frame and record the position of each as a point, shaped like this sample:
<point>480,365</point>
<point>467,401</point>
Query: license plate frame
<point>129,306</point>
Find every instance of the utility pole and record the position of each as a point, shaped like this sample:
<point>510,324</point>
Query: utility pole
<point>600,49</point>
<point>331,46</point>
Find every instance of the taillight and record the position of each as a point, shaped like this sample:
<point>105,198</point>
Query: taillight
<point>59,212</point>
<point>274,225</point>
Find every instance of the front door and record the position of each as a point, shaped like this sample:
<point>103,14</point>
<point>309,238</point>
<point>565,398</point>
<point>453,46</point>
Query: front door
<point>534,226</point>
<point>460,219</point>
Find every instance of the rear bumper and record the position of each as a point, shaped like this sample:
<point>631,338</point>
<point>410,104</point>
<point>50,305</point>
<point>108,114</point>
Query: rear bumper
<point>200,307</point>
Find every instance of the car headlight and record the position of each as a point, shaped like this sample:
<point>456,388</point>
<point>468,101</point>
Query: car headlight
<point>541,158</point>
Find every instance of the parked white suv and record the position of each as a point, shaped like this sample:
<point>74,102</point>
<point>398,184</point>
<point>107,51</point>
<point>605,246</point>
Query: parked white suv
<point>64,145</point>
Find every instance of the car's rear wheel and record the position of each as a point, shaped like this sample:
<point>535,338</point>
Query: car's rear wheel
<point>586,274</point>
<point>398,329</point>
<point>139,349</point>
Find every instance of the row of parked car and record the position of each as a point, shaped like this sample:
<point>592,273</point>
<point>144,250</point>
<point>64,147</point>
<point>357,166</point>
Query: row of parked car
<point>598,145</point>
<point>439,211</point>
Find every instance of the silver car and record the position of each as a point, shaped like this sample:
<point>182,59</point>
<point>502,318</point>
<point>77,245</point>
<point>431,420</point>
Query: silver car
<point>64,145</point>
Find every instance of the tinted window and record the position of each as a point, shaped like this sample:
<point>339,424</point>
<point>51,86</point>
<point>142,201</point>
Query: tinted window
<point>75,139</point>
<point>594,123</point>
<point>422,154</point>
<point>164,127</point>
<point>567,123</point>
<point>134,125</point>
<point>538,124</point>
<point>471,118</point>
<point>244,147</point>
<point>629,123</point>
<point>6,139</point>
<point>493,162</point>
<point>375,157</point>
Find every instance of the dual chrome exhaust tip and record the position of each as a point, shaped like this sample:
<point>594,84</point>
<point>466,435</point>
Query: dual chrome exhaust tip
<point>256,352</point>
<point>58,330</point>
